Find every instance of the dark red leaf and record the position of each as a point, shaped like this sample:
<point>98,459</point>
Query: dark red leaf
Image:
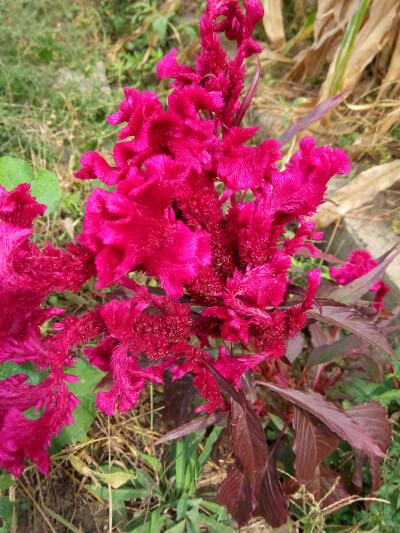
<point>312,444</point>
<point>336,314</point>
<point>353,291</point>
<point>178,396</point>
<point>249,442</point>
<point>386,254</point>
<point>335,418</point>
<point>373,417</point>
<point>249,387</point>
<point>249,96</point>
<point>318,112</point>
<point>106,382</point>
<point>319,336</point>
<point>335,351</point>
<point>273,503</point>
<point>357,479</point>
<point>294,347</point>
<point>201,422</point>
<point>328,485</point>
<point>235,493</point>
<point>329,258</point>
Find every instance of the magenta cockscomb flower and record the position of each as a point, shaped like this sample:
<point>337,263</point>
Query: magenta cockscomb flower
<point>197,207</point>
<point>359,263</point>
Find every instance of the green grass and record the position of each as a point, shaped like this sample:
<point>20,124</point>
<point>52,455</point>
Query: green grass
<point>61,75</point>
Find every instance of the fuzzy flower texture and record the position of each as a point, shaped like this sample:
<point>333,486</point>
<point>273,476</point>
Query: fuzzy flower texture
<point>193,204</point>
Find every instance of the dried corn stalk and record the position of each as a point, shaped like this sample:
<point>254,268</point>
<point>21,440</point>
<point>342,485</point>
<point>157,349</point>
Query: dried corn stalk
<point>273,22</point>
<point>376,32</point>
<point>359,191</point>
<point>329,27</point>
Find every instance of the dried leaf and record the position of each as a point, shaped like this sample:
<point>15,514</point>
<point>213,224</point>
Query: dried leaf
<point>359,191</point>
<point>370,40</point>
<point>336,314</point>
<point>115,479</point>
<point>393,73</point>
<point>312,444</point>
<point>273,22</point>
<point>329,27</point>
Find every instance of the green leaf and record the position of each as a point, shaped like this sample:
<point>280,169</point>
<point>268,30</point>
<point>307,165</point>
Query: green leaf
<point>216,509</point>
<point>6,481</point>
<point>10,368</point>
<point>192,521</point>
<point>46,54</point>
<point>156,520</point>
<point>182,506</point>
<point>84,414</point>
<point>178,528</point>
<point>141,526</point>
<point>205,454</point>
<point>118,494</point>
<point>119,513</point>
<point>115,479</point>
<point>153,462</point>
<point>160,27</point>
<point>213,525</point>
<point>62,520</point>
<point>14,171</point>
<point>6,512</point>
<point>46,189</point>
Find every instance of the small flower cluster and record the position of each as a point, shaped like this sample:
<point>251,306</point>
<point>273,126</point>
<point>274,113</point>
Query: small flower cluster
<point>194,205</point>
<point>359,263</point>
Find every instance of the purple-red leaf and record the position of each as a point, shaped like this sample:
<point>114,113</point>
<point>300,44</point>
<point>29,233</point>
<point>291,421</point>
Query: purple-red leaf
<point>249,442</point>
<point>313,443</point>
<point>373,417</point>
<point>248,387</point>
<point>178,396</point>
<point>200,422</point>
<point>329,258</point>
<point>294,346</point>
<point>273,503</point>
<point>328,485</point>
<point>353,291</point>
<point>386,254</point>
<point>319,336</point>
<point>340,315</point>
<point>249,96</point>
<point>335,351</point>
<point>335,418</point>
<point>235,493</point>
<point>318,112</point>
